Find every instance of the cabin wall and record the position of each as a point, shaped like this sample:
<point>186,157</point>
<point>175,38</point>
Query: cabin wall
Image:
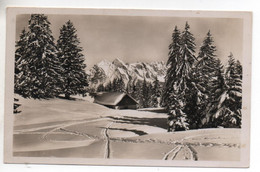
<point>126,101</point>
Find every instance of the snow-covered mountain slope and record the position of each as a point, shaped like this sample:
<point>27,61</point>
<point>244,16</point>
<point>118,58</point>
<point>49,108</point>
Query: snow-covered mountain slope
<point>105,72</point>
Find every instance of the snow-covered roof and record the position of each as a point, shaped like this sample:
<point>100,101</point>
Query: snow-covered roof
<point>110,98</point>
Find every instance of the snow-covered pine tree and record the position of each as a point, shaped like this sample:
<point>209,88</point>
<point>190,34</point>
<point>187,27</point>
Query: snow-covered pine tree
<point>40,67</point>
<point>239,69</point>
<point>137,93</point>
<point>72,60</point>
<point>174,54</point>
<point>129,88</point>
<point>118,85</point>
<point>144,96</point>
<point>21,66</point>
<point>177,119</point>
<point>150,95</point>
<point>206,82</point>
<point>230,102</point>
<point>155,93</point>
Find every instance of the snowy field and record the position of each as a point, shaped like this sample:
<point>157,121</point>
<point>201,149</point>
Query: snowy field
<point>81,129</point>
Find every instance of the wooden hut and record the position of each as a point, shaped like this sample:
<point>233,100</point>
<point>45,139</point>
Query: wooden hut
<point>115,100</point>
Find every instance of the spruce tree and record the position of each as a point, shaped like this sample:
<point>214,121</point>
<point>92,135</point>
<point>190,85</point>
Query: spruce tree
<point>129,88</point>
<point>136,92</point>
<point>174,54</point>
<point>230,102</point>
<point>185,61</point>
<point>40,75</point>
<point>155,93</point>
<point>118,85</point>
<point>72,60</point>
<point>150,95</point>
<point>207,83</point>
<point>21,66</point>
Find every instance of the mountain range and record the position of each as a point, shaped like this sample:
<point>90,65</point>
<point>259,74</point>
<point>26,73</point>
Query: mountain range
<point>105,72</point>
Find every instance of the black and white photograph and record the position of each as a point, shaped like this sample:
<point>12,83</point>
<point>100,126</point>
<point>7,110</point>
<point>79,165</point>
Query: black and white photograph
<point>128,87</point>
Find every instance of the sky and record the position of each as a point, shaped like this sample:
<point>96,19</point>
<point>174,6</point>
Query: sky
<point>142,38</point>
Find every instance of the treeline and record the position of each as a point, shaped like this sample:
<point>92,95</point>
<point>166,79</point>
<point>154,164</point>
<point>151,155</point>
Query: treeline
<point>198,91</point>
<point>146,93</point>
<point>45,69</point>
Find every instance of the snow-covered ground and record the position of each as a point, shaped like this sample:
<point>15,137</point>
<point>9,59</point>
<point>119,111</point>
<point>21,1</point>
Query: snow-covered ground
<point>80,128</point>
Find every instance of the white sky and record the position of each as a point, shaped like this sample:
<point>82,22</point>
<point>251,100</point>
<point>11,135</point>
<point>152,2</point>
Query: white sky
<point>146,39</point>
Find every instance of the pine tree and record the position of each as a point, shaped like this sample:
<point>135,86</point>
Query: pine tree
<point>230,102</point>
<point>150,95</point>
<point>129,88</point>
<point>135,90</point>
<point>138,88</point>
<point>72,60</point>
<point>145,94</point>
<point>174,55</point>
<point>21,66</point>
<point>118,85</point>
<point>207,83</point>
<point>39,66</point>
<point>179,99</point>
<point>155,93</point>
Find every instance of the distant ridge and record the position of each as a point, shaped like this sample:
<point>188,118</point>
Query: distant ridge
<point>105,72</point>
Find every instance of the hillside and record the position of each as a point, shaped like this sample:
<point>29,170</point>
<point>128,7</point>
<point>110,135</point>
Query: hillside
<point>80,128</point>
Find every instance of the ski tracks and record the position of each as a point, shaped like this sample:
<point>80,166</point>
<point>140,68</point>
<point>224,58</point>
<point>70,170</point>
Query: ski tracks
<point>189,153</point>
<point>63,126</point>
<point>105,134</point>
<point>107,140</point>
<point>172,153</point>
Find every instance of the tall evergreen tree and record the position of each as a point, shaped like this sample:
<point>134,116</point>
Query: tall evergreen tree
<point>129,88</point>
<point>155,93</point>
<point>184,64</point>
<point>150,98</point>
<point>21,66</point>
<point>174,55</point>
<point>145,94</point>
<point>207,82</point>
<point>72,60</point>
<point>137,93</point>
<point>230,102</point>
<point>39,66</point>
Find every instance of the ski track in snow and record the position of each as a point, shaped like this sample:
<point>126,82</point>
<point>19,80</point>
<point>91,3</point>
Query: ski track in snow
<point>44,136</point>
<point>107,138</point>
<point>172,153</point>
<point>189,153</point>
